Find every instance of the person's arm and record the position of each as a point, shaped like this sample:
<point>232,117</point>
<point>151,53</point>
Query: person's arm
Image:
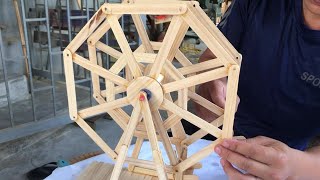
<point>265,158</point>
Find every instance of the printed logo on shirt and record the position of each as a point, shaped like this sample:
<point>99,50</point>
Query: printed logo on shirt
<point>311,79</point>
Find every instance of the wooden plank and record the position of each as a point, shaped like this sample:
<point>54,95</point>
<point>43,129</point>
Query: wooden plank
<point>171,43</point>
<point>99,70</point>
<point>211,129</point>
<point>201,133</point>
<point>197,157</point>
<point>71,88</point>
<point>150,9</point>
<point>103,108</point>
<point>231,101</point>
<point>195,80</point>
<point>96,138</point>
<point>125,47</point>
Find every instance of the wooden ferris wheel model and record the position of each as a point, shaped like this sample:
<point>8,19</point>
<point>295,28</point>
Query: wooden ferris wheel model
<point>152,78</point>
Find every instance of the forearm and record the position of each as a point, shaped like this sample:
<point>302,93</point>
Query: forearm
<point>307,164</point>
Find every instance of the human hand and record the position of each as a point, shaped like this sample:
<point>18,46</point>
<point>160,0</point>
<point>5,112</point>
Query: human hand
<point>260,158</point>
<point>215,92</point>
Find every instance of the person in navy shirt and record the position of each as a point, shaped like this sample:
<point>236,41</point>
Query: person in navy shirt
<point>279,89</point>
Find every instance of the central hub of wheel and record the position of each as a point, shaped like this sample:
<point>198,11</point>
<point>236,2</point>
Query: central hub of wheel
<point>148,85</point>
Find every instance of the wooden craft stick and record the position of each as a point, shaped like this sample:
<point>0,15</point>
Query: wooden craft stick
<point>99,70</point>
<point>150,172</point>
<point>171,121</point>
<point>183,98</point>
<point>201,133</point>
<point>108,50</point>
<point>136,152</point>
<point>198,156</point>
<point>182,59</point>
<point>147,164</point>
<point>142,33</point>
<point>171,43</point>
<point>151,9</point>
<point>94,61</point>
<point>218,34</point>
<point>86,31</point>
<point>211,129</point>
<point>165,138</point>
<point>96,138</point>
<point>205,103</point>
<point>71,88</point>
<point>200,67</point>
<point>101,31</point>
<point>128,134</point>
<point>151,131</point>
<point>145,57</point>
<point>103,108</point>
<point>231,101</point>
<point>195,80</point>
<point>125,47</point>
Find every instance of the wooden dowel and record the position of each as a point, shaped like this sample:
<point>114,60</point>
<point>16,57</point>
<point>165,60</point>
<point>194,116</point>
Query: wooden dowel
<point>191,118</point>
<point>231,101</point>
<point>99,70</point>
<point>195,80</point>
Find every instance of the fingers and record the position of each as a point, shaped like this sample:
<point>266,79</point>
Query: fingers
<point>256,152</point>
<point>249,165</point>
<point>261,140</point>
<point>218,93</point>
<point>233,173</point>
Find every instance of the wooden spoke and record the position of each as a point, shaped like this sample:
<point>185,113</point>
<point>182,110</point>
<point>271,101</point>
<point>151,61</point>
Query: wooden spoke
<point>206,104</point>
<point>95,77</point>
<point>108,50</point>
<point>103,108</point>
<point>195,80</point>
<point>99,70</point>
<point>125,47</point>
<point>96,138</point>
<point>211,129</point>
<point>204,66</point>
<point>198,156</point>
<point>201,133</point>
<point>171,43</point>
<point>128,134</point>
<point>142,33</point>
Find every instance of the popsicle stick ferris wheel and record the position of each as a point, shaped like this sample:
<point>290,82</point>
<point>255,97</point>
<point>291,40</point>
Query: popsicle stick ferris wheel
<point>152,77</point>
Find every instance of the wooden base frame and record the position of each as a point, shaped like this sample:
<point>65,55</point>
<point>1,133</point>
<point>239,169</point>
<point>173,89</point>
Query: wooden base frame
<point>151,80</point>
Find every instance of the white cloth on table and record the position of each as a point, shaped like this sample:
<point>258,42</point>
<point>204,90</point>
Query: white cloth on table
<point>211,168</point>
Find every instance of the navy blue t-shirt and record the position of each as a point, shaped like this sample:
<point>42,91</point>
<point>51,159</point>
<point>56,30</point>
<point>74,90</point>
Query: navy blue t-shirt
<point>279,83</point>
